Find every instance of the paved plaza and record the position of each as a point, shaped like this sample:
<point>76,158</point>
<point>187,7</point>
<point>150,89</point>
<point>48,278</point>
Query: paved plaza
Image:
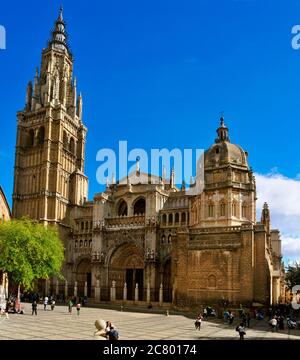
<point>59,325</point>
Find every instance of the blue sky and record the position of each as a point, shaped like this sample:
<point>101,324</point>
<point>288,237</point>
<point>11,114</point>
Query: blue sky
<point>158,73</point>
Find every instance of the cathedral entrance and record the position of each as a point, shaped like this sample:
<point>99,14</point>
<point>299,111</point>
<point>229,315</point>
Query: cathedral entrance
<point>133,277</point>
<point>83,274</point>
<point>127,265</point>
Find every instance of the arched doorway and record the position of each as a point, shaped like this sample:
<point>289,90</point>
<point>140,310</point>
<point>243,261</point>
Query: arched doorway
<point>83,274</point>
<point>167,284</point>
<point>127,265</point>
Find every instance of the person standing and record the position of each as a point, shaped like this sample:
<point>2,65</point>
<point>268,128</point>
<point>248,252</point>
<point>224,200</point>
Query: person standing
<point>45,302</point>
<point>70,304</point>
<point>34,307</point>
<point>78,309</point>
<point>241,330</point>
<point>198,322</point>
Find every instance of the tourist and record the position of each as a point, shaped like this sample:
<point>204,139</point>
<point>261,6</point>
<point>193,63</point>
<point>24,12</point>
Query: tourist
<point>70,305</point>
<point>112,334</point>
<point>78,309</point>
<point>45,302</point>
<point>34,307</point>
<point>241,330</point>
<point>198,322</point>
<point>273,323</point>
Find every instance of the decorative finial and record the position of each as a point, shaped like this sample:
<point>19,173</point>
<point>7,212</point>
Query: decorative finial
<point>61,12</point>
<point>137,167</point>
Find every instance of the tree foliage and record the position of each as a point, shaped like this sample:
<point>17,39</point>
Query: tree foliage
<point>292,276</point>
<point>30,251</point>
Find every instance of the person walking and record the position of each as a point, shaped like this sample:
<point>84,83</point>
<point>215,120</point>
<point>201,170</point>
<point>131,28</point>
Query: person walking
<point>52,304</point>
<point>241,330</point>
<point>70,305</point>
<point>231,317</point>
<point>78,309</point>
<point>45,302</point>
<point>34,307</point>
<point>273,323</point>
<point>198,322</point>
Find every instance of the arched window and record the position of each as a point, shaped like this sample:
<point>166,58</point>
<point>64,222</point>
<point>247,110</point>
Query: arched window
<point>163,239</point>
<point>183,218</point>
<point>177,218</point>
<point>234,209</point>
<point>222,209</point>
<point>82,225</point>
<point>139,206</point>
<point>164,219</point>
<point>76,243</point>
<point>41,135</point>
<point>123,210</point>
<point>244,210</point>
<point>31,137</point>
<point>170,218</point>
<point>65,140</point>
<point>85,243</point>
<point>80,244</point>
<point>169,239</point>
<point>72,146</point>
<point>90,243</point>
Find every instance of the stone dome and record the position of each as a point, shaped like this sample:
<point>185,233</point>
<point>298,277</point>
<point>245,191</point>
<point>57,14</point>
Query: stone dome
<point>223,152</point>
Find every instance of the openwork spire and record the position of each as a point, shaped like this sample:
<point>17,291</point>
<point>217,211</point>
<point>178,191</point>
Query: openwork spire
<point>59,35</point>
<point>222,132</point>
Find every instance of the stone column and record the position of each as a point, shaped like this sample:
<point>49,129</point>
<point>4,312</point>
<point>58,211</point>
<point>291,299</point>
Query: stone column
<point>97,291</point>
<point>75,289</point>
<point>148,292</point>
<point>56,288</point>
<point>113,291</point>
<point>66,290</point>
<point>125,292</point>
<point>136,292</point>
<point>161,294</point>
<point>85,289</point>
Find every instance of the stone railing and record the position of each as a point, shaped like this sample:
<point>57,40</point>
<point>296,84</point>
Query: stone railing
<point>216,229</point>
<point>125,221</point>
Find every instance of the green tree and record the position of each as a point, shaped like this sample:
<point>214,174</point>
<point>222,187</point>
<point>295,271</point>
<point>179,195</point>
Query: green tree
<point>292,276</point>
<point>30,251</point>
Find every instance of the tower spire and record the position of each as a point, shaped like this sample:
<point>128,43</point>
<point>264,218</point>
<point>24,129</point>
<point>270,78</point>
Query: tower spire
<point>222,132</point>
<point>59,35</point>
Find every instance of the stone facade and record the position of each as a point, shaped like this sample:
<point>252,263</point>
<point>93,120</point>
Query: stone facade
<point>5,215</point>
<point>142,239</point>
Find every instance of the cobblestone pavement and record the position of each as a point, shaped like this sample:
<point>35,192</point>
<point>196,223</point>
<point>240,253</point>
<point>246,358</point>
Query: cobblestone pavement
<point>59,325</point>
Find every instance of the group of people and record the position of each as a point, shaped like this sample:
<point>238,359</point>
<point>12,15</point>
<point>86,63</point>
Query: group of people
<point>107,330</point>
<point>72,303</point>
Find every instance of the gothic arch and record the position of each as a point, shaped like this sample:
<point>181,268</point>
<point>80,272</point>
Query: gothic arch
<point>83,275</point>
<point>139,206</point>
<point>122,208</point>
<point>31,137</point>
<point>41,135</point>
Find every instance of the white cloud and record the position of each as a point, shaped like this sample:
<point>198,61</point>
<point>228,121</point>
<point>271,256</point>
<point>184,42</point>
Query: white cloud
<point>283,196</point>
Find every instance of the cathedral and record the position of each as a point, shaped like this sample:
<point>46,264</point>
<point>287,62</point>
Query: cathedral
<point>139,241</point>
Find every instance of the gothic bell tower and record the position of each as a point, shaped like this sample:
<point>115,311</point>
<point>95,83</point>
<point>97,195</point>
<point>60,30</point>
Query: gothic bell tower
<point>50,147</point>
